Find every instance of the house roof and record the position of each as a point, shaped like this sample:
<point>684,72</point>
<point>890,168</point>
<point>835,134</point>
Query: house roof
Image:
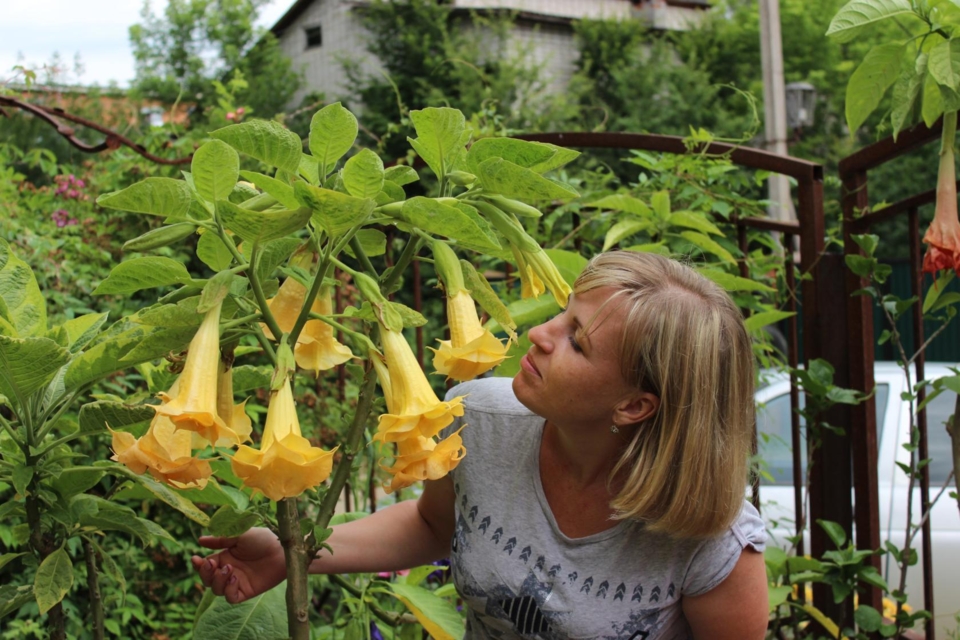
<point>299,6</point>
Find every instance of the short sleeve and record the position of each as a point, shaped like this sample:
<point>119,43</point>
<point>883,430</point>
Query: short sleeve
<point>715,558</point>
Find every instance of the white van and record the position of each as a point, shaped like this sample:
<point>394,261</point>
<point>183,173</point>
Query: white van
<point>893,424</point>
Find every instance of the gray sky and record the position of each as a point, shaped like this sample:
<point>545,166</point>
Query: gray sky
<point>94,29</point>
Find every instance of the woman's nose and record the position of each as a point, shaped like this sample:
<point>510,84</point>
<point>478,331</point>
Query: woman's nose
<point>540,336</point>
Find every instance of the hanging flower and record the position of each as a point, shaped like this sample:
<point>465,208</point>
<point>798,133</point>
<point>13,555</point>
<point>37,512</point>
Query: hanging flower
<point>413,408</point>
<point>317,348</point>
<point>164,450</point>
<point>943,235</point>
<point>286,464</point>
<point>192,402</point>
<point>422,458</point>
<point>531,286</point>
<point>234,415</point>
<point>471,349</point>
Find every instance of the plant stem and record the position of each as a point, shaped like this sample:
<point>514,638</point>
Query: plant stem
<point>295,552</point>
<point>38,543</point>
<point>409,253</point>
<point>268,318</point>
<point>93,587</point>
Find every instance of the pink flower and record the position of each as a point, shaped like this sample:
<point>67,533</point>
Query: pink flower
<point>231,116</point>
<point>943,234</point>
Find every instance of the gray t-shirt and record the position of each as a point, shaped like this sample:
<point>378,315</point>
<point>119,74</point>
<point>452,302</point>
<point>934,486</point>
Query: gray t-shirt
<point>520,577</point>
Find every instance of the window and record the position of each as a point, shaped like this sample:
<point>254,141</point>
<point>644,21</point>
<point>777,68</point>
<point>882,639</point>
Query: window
<point>774,440</point>
<point>938,440</point>
<point>151,116</point>
<point>314,36</point>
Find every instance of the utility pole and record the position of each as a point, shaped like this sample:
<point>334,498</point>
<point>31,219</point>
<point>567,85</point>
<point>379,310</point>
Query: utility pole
<point>774,106</point>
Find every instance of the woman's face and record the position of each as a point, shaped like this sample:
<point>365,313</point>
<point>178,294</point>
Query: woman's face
<point>571,378</point>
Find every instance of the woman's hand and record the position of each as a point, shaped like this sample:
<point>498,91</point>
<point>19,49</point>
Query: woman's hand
<point>247,566</point>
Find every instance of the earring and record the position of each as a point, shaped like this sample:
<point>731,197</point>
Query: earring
<point>614,429</point>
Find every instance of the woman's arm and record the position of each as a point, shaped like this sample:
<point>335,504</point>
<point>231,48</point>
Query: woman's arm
<point>737,608</point>
<point>405,535</point>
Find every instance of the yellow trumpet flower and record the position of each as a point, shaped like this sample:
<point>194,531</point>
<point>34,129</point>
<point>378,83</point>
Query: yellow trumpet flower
<point>471,349</point>
<point>425,459</point>
<point>286,464</point>
<point>413,408</point>
<point>234,415</point>
<point>317,348</point>
<point>164,450</point>
<point>545,271</point>
<point>531,286</point>
<point>192,402</point>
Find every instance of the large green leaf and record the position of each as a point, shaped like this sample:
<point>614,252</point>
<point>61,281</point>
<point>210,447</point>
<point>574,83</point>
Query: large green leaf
<point>262,226</point>
<point>20,296</point>
<point>536,156</point>
<point>248,377</point>
<point>161,491</point>
<point>73,481</point>
<point>440,133</point>
<point>944,63</point>
<point>438,616</point>
<point>622,230</point>
<point>363,174</point>
<point>53,580</point>
<point>730,282</point>
<point>622,202</point>
<point>181,314</point>
<point>870,81</point>
<point>212,252</point>
<point>708,245</point>
<point>143,273</point>
<point>859,13</point>
<point>156,344</point>
<point>103,358</point>
<point>333,130</point>
<point>759,320</point>
<point>215,169</point>
<point>28,364</point>
<point>155,196</point>
<point>272,255</point>
<point>229,521</point>
<point>265,140</point>
<point>932,107</point>
<point>695,221</point>
<point>279,189</point>
<point>401,174</point>
<point>82,329</point>
<point>261,618</point>
<point>513,181</point>
<point>444,220</point>
<point>108,516</point>
<point>95,417</point>
<point>334,211</point>
<point>906,90</point>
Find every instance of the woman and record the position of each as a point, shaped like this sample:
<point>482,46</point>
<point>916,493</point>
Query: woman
<point>602,493</point>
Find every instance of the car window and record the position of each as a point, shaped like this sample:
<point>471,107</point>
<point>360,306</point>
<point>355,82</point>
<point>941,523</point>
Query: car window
<point>938,440</point>
<point>773,435</point>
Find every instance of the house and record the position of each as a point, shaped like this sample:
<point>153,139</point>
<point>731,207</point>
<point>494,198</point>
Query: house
<point>315,34</point>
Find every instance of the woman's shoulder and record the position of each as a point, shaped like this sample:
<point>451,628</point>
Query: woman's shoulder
<point>716,557</point>
<point>489,395</point>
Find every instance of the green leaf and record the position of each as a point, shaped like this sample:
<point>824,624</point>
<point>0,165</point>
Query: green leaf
<point>443,220</point>
<point>439,139</point>
<point>333,131</point>
<point>859,13</point>
<point>905,93</point>
<point>695,221</point>
<point>487,298</point>
<point>568,263</point>
<point>161,491</point>
<point>113,517</point>
<point>623,230</point>
<point>214,292</point>
<point>10,557</point>
<point>249,377</point>
<point>21,297</point>
<point>932,107</point>
<point>513,181</point>
<point>872,577</point>
<point>265,140</point>
<point>261,618</point>
<point>660,202</point>
<point>279,189</point>
<point>334,211</point>
<point>759,320</point>
<point>363,174</point>
<point>879,69</point>
<point>21,477</point>
<point>143,273</point>
<point>708,245</point>
<point>82,329</point>
<point>401,174</point>
<point>72,481</point>
<point>95,417</point>
<point>157,344</point>
<point>154,196</point>
<point>212,252</point>
<point>373,241</point>
<point>103,358</point>
<point>182,314</point>
<point>215,169</point>
<point>438,616</point>
<point>28,364</point>
<point>272,255</point>
<point>622,202</point>
<point>733,283</point>
<point>944,63</point>
<point>53,580</point>
<point>230,522</point>
<point>835,532</point>
<point>262,226</point>
<point>867,618</point>
<point>536,156</point>
<point>939,286</point>
<point>13,597</point>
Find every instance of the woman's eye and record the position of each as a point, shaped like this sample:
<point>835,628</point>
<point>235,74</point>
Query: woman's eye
<point>576,345</point>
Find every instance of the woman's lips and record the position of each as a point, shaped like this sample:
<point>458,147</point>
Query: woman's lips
<point>526,363</point>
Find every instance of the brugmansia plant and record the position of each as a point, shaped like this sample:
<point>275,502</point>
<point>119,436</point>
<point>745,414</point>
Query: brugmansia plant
<point>923,67</point>
<point>273,239</point>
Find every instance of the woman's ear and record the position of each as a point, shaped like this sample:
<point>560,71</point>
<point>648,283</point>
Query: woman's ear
<point>642,406</point>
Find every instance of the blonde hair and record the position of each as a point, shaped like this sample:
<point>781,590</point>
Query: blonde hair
<point>683,340</point>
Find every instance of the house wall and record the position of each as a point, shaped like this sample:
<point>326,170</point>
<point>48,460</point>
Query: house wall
<point>572,9</point>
